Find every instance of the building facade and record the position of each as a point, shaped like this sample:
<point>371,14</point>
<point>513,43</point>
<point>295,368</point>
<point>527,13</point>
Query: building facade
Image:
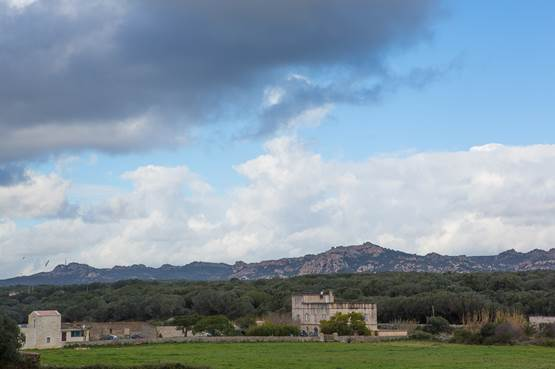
<point>72,332</point>
<point>308,310</point>
<point>43,330</point>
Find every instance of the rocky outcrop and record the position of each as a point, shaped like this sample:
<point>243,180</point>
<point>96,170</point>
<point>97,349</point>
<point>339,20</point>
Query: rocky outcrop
<point>367,258</point>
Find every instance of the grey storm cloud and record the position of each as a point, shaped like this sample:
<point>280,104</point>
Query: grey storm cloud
<point>131,75</point>
<point>12,174</point>
<point>298,94</point>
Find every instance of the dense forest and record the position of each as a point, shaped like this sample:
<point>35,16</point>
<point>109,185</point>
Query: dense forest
<point>400,296</point>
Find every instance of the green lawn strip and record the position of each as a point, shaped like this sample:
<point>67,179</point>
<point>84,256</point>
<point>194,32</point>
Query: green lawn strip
<point>387,355</point>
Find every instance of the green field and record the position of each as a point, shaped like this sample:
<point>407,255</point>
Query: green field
<point>398,354</point>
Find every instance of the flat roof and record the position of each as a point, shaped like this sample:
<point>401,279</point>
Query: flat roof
<point>46,313</point>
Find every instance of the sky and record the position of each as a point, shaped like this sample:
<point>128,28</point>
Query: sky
<point>138,132</point>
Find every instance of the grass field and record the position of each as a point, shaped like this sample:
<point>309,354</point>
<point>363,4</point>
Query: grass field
<point>313,355</point>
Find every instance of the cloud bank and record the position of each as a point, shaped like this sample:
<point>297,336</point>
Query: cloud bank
<point>121,76</point>
<point>480,201</point>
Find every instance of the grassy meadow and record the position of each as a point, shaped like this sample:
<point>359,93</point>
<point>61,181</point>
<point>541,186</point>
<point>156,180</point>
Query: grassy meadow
<point>390,355</point>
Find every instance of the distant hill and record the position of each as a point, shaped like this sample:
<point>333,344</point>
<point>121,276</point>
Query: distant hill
<point>367,257</point>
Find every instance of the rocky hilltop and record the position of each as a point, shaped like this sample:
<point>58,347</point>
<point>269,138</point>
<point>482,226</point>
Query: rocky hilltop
<point>365,258</point>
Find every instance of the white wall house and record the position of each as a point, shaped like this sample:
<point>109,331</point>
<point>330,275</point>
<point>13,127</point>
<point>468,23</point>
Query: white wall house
<point>72,332</point>
<point>44,329</point>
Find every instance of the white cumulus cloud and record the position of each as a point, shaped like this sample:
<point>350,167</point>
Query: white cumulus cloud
<point>479,201</point>
<point>38,196</point>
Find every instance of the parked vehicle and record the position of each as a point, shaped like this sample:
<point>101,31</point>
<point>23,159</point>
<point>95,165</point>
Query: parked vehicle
<point>109,337</point>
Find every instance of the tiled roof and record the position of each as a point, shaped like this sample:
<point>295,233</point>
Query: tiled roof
<point>46,313</point>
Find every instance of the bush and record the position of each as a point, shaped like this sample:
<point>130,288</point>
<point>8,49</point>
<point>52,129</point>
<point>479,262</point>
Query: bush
<point>547,342</point>
<point>10,340</point>
<point>466,336</point>
<point>548,330</point>
<point>529,330</point>
<point>419,334</point>
<point>245,322</point>
<point>436,325</point>
<point>272,329</point>
<point>502,333</point>
<point>216,325</point>
<point>487,330</point>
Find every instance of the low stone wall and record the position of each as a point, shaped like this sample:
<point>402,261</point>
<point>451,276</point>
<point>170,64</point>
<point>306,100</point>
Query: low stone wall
<point>237,339</point>
<point>392,333</point>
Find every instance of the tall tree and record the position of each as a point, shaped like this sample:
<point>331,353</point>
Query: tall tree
<point>10,340</point>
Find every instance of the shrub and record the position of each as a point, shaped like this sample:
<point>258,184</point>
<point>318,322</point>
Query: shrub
<point>271,329</point>
<point>547,342</point>
<point>419,334</point>
<point>245,322</point>
<point>437,324</point>
<point>503,333</point>
<point>487,330</point>
<point>10,340</point>
<point>529,329</point>
<point>548,330</point>
<point>216,325</point>
<point>466,336</point>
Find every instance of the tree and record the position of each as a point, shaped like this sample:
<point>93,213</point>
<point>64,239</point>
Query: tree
<point>345,324</point>
<point>216,325</point>
<point>10,340</point>
<point>186,322</point>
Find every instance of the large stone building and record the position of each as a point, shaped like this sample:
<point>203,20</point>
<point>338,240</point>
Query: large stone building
<point>44,329</point>
<point>309,309</point>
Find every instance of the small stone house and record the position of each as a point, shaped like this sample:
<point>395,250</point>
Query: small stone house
<point>72,332</point>
<point>308,310</point>
<point>43,330</point>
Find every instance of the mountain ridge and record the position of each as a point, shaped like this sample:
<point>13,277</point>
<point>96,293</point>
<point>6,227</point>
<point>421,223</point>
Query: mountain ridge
<point>365,258</point>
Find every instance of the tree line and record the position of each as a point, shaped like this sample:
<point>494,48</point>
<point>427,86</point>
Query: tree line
<point>399,296</point>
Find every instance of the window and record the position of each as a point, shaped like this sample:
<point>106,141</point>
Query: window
<point>47,339</point>
<point>307,317</point>
<point>76,333</point>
